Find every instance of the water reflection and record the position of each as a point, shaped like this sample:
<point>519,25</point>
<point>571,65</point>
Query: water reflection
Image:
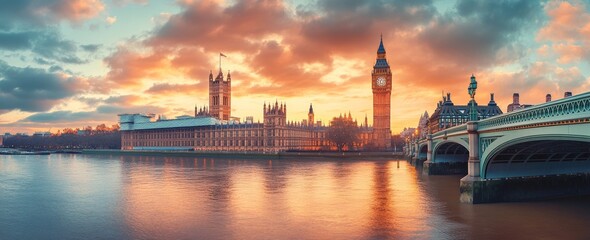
<point>381,211</point>
<point>171,198</point>
<point>136,197</point>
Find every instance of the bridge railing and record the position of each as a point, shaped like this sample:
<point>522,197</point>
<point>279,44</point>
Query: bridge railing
<point>574,107</point>
<point>450,131</point>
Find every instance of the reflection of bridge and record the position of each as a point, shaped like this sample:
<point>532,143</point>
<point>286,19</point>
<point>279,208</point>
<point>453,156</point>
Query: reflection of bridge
<point>544,149</point>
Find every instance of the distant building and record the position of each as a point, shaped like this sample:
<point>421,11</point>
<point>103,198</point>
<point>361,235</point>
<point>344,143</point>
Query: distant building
<point>275,134</point>
<point>407,133</point>
<point>515,105</point>
<point>212,128</point>
<point>42,134</point>
<point>422,126</point>
<point>449,115</point>
<point>249,120</point>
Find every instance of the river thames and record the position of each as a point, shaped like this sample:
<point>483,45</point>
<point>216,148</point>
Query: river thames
<point>64,196</point>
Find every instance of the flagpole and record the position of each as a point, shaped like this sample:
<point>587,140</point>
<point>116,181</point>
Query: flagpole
<point>219,62</point>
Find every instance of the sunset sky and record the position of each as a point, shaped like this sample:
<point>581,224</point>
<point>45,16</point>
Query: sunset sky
<point>73,63</point>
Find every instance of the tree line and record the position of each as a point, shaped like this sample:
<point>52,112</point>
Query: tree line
<point>101,137</point>
<point>344,133</point>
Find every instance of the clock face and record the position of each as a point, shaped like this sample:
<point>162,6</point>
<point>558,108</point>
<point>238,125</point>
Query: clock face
<point>381,81</point>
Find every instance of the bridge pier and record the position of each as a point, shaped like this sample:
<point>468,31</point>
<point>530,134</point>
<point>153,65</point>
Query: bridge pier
<point>416,161</point>
<point>477,190</point>
<point>472,187</point>
<point>443,168</point>
<point>413,152</point>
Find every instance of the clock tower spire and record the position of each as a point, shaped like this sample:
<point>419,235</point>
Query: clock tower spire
<point>381,84</point>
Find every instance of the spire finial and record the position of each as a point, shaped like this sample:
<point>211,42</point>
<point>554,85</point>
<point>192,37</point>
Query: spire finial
<point>381,49</point>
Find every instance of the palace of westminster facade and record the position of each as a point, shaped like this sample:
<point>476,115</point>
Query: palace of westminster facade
<point>213,129</point>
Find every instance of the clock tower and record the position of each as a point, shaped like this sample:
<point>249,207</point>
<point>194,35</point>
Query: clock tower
<point>381,84</point>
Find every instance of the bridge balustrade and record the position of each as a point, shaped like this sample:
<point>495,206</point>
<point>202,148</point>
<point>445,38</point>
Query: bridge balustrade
<point>559,110</point>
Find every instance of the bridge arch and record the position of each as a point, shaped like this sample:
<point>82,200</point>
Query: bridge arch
<point>423,151</point>
<point>451,151</point>
<point>547,154</point>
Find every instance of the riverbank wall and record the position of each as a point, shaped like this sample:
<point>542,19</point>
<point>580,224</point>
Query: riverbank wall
<point>476,190</point>
<point>444,168</point>
<point>257,155</point>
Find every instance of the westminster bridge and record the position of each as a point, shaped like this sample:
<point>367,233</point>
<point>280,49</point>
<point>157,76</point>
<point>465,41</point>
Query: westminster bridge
<point>537,152</point>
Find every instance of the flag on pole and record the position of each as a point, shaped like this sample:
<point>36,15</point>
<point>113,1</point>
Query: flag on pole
<point>222,55</point>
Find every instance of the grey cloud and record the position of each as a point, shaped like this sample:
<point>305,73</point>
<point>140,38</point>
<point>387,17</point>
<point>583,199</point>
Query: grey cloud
<point>42,61</point>
<point>102,113</point>
<point>50,45</point>
<point>90,47</point>
<point>481,30</point>
<point>397,14</point>
<point>334,25</point>
<point>33,89</point>
<point>41,12</point>
<point>46,43</point>
<point>125,2</point>
<point>14,11</point>
<point>16,41</point>
<point>31,25</point>
<point>114,110</point>
<point>107,110</point>
<point>90,100</point>
<point>60,116</point>
<point>121,100</point>
<point>55,68</point>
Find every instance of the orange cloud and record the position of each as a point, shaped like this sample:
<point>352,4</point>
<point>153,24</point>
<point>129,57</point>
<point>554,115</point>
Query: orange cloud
<point>129,68</point>
<point>568,30</point>
<point>567,21</point>
<point>569,52</point>
<point>77,10</point>
<point>296,52</point>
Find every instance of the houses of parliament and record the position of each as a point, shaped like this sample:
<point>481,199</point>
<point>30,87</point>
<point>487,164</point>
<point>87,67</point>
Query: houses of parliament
<point>212,128</point>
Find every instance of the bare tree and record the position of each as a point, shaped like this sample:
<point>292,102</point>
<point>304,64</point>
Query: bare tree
<point>343,132</point>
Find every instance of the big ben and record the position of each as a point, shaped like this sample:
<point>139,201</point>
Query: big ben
<point>381,84</point>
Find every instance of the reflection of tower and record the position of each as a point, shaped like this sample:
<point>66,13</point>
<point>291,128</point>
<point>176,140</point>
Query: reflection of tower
<point>220,96</point>
<point>381,83</point>
<point>381,210</point>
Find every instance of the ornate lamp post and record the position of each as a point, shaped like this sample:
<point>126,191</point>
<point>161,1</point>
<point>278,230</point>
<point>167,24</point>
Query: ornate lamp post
<point>472,107</point>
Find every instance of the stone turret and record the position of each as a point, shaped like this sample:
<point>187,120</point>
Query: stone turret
<point>275,115</point>
<point>310,116</point>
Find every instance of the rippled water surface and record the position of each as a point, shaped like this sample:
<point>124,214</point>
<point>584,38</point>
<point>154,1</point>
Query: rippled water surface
<point>113,197</point>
